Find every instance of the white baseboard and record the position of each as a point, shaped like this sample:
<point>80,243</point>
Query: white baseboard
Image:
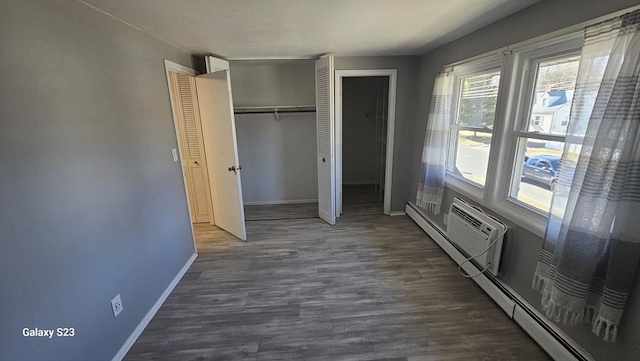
<point>292,201</point>
<point>546,341</point>
<point>515,310</point>
<point>147,318</point>
<point>522,315</point>
<point>398,213</point>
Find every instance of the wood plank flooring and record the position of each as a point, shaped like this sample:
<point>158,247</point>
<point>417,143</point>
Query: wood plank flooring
<point>372,287</point>
<point>281,211</point>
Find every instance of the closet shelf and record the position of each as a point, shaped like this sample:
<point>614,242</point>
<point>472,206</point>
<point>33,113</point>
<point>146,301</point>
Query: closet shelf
<point>276,109</point>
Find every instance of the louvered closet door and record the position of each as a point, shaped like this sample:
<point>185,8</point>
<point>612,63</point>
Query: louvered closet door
<point>325,128</point>
<point>192,147</point>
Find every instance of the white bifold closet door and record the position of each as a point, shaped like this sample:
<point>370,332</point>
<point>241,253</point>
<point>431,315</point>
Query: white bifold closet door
<point>189,132</point>
<point>325,129</point>
<point>221,147</point>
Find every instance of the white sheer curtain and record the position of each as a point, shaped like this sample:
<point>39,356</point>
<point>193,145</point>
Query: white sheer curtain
<point>434,153</point>
<point>592,244</point>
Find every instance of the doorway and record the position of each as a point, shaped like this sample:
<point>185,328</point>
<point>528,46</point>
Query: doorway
<point>365,119</point>
<point>205,126</point>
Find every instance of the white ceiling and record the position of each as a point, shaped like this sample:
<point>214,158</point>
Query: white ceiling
<point>265,29</point>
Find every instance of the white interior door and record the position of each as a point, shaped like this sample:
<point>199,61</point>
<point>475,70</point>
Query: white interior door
<point>219,131</point>
<point>325,129</point>
<point>190,141</point>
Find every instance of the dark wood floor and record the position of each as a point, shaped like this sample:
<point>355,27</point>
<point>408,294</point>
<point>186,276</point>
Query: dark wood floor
<point>372,287</point>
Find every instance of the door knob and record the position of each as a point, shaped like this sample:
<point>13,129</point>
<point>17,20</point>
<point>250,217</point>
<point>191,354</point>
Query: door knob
<point>234,169</point>
<point>196,163</point>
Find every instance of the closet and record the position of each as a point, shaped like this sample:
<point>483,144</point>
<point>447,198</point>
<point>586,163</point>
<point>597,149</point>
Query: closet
<point>274,107</point>
<point>364,139</point>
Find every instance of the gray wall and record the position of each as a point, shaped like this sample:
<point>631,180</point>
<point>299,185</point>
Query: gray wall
<point>407,89</point>
<point>92,204</point>
<point>273,82</point>
<point>360,98</point>
<point>522,247</point>
<point>278,158</point>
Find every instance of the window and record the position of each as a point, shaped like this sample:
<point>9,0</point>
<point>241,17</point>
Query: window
<point>524,95</point>
<point>536,120</point>
<point>474,114</point>
<point>540,145</point>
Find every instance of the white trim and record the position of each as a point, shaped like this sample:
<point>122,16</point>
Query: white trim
<point>544,338</point>
<point>391,121</point>
<point>514,124</point>
<point>171,66</point>
<point>214,64</point>
<point>541,336</point>
<point>465,187</point>
<point>398,213</point>
<point>488,62</point>
<point>292,201</point>
<point>511,303</point>
<point>152,312</point>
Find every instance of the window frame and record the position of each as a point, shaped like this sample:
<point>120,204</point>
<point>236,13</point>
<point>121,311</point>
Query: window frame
<point>485,64</point>
<point>522,68</point>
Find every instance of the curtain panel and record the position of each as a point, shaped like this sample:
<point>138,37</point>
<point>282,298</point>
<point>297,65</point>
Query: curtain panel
<point>434,153</point>
<point>592,244</point>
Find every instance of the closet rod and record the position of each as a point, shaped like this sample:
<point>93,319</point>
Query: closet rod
<point>279,111</point>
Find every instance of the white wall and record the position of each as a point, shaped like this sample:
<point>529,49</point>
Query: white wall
<point>278,158</point>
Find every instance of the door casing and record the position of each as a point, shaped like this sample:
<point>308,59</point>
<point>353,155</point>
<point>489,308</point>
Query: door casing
<point>391,120</point>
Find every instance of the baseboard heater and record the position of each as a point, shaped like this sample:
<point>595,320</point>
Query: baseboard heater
<point>549,337</point>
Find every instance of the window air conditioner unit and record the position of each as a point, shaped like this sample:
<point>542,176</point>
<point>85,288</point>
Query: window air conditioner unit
<point>475,232</point>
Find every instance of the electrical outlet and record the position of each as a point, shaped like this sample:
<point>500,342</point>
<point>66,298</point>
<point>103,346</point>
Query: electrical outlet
<point>116,305</point>
<point>445,219</point>
<point>174,153</point>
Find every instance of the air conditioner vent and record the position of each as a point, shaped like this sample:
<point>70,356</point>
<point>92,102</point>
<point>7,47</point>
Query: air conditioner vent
<point>466,216</point>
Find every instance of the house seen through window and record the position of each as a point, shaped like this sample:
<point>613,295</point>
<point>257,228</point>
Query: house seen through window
<point>540,149</point>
